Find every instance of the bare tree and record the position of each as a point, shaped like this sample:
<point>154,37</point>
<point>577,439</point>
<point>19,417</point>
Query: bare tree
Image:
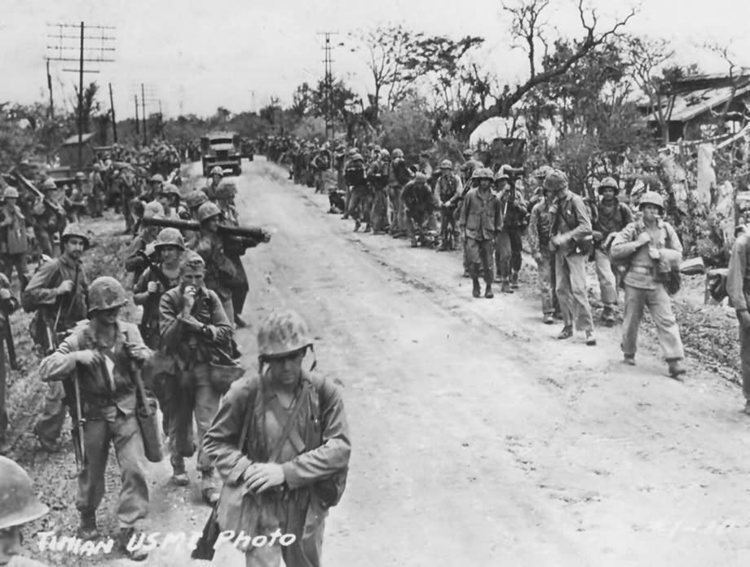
<point>528,27</point>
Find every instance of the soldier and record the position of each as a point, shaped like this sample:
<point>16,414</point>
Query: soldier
<point>737,289</point>
<point>76,202</point>
<point>400,176</point>
<point>539,234</point>
<point>644,245</point>
<point>424,164</point>
<point>378,175</point>
<point>14,244</point>
<point>515,221</point>
<point>239,286</point>
<point>225,194</point>
<point>220,270</point>
<point>134,260</point>
<point>58,292</point>
<point>611,217</point>
<point>125,187</point>
<point>20,506</point>
<point>469,166</point>
<point>281,438</point>
<point>570,240</point>
<point>194,328</point>
<point>448,190</point>
<point>215,176</point>
<point>8,304</point>
<point>419,203</point>
<point>169,198</point>
<point>49,219</point>
<point>481,219</point>
<point>356,178</point>
<point>193,202</point>
<point>320,164</point>
<point>105,352</point>
<point>97,191</point>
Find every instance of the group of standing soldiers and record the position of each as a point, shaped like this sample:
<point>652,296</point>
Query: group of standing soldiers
<point>631,246</point>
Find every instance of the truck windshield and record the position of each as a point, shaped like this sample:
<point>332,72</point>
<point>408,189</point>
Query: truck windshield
<point>215,141</point>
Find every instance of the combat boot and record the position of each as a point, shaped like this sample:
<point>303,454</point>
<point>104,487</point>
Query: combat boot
<point>208,488</point>
<point>675,368</point>
<point>548,319</point>
<point>124,539</point>
<point>488,290</point>
<point>608,315</point>
<point>514,280</point>
<point>179,476</point>
<point>476,290</point>
<point>505,287</point>
<point>88,530</point>
<point>566,332</point>
<point>629,359</point>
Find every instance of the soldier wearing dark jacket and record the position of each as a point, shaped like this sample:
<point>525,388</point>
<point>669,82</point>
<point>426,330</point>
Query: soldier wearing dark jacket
<point>419,203</point>
<point>281,444</point>
<point>738,289</point>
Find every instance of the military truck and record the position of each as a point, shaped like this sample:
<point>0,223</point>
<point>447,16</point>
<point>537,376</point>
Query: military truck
<point>221,149</point>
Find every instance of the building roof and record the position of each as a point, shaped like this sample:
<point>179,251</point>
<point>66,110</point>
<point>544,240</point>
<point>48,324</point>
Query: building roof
<point>73,140</point>
<point>696,96</point>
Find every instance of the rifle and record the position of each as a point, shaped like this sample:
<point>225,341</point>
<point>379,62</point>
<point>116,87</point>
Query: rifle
<point>10,345</point>
<point>253,233</point>
<point>155,269</point>
<point>29,186</point>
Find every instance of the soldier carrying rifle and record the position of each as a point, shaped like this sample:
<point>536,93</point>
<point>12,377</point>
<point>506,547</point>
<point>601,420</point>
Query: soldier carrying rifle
<point>8,304</point>
<point>58,294</point>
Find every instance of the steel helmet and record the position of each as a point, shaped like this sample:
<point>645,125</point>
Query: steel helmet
<point>195,199</point>
<point>73,229</point>
<point>468,152</point>
<point>482,173</point>
<point>106,292</point>
<point>282,333</point>
<point>216,170</point>
<point>500,175</point>
<point>18,503</point>
<point>651,198</point>
<point>541,172</point>
<point>157,178</point>
<point>398,153</point>
<point>420,177</point>
<point>357,157</point>
<point>384,153</point>
<point>10,193</point>
<point>153,209</point>
<point>446,164</point>
<point>80,175</point>
<point>610,182</point>
<point>170,237</point>
<point>49,184</point>
<point>227,190</point>
<point>555,181</point>
<point>170,189</point>
<point>191,260</point>
<point>208,211</point>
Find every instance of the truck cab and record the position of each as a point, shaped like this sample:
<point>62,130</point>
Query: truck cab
<point>221,149</point>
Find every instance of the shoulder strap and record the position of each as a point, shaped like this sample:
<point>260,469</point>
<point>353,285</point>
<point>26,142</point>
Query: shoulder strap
<point>290,422</point>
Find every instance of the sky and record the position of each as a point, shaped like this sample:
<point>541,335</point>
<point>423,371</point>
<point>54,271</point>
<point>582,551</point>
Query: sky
<point>195,56</point>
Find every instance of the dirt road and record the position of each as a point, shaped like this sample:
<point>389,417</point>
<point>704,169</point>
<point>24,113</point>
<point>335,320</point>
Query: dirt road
<point>478,439</point>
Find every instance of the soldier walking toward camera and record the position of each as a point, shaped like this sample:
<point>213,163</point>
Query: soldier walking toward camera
<point>8,304</point>
<point>738,289</point>
<point>377,176</point>
<point>612,216</point>
<point>215,177</point>
<point>570,240</point>
<point>194,329</point>
<point>14,244</point>
<point>515,220</point>
<point>58,292</point>
<point>400,176</point>
<point>281,444</point>
<point>20,507</point>
<point>481,219</point>
<point>359,202</point>
<point>540,223</point>
<point>448,190</point>
<point>238,285</point>
<point>49,219</point>
<point>645,246</point>
<point>104,353</point>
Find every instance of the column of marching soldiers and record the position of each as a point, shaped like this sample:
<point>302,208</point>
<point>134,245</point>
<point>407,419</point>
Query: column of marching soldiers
<point>108,374</point>
<point>485,212</point>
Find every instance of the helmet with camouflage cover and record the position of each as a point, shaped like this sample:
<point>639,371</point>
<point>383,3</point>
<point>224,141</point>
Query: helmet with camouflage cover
<point>208,211</point>
<point>282,333</point>
<point>446,164</point>
<point>10,193</point>
<point>501,174</point>
<point>420,177</point>
<point>384,153</point>
<point>74,229</point>
<point>80,175</point>
<point>191,261</point>
<point>398,153</point>
<point>610,182</point>
<point>169,237</point>
<point>18,503</point>
<point>468,152</point>
<point>105,292</point>
<point>49,184</point>
<point>356,157</point>
<point>156,178</point>
<point>542,171</point>
<point>482,173</point>
<point>555,181</point>
<point>196,198</point>
<point>226,191</point>
<point>170,189</point>
<point>652,198</point>
<point>216,170</point>
<point>153,209</point>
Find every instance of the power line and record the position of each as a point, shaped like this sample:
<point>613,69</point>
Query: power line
<point>328,84</point>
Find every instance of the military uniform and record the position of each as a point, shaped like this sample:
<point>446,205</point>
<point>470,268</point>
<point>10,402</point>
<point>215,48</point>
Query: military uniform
<point>419,203</point>
<point>359,202</point>
<point>220,270</point>
<point>14,244</point>
<point>448,190</point>
<point>481,218</point>
<point>49,222</point>
<point>377,176</point>
<point>738,288</point>
<point>60,313</point>
<point>540,222</point>
<point>7,306</point>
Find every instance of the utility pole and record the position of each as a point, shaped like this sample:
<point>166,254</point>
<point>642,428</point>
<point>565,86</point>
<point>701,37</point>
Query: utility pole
<point>137,121</point>
<point>112,112</point>
<point>328,85</point>
<point>96,54</point>
<point>49,86</point>
<point>143,108</point>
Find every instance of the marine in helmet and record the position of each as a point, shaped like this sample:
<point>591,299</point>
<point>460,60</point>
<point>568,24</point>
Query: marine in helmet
<point>737,274</point>
<point>135,261</point>
<point>14,244</point>
<point>538,235</point>
<point>8,304</point>
<point>481,219</point>
<point>215,176</point>
<point>643,246</point>
<point>195,332</point>
<point>419,204</point>
<point>294,466</point>
<point>448,191</point>
<point>377,176</point>
<point>20,506</point>
<point>57,293</point>
<point>106,352</point>
<point>508,245</point>
<point>469,165</point>
<point>48,216</point>
<point>401,174</point>
<point>360,199</point>
<point>570,240</point>
<point>220,270</point>
<point>611,217</point>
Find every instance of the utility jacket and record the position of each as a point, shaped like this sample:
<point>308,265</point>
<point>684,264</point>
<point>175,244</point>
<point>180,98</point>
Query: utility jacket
<point>314,456</point>
<point>738,275</point>
<point>571,220</point>
<point>219,268</point>
<point>481,215</point>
